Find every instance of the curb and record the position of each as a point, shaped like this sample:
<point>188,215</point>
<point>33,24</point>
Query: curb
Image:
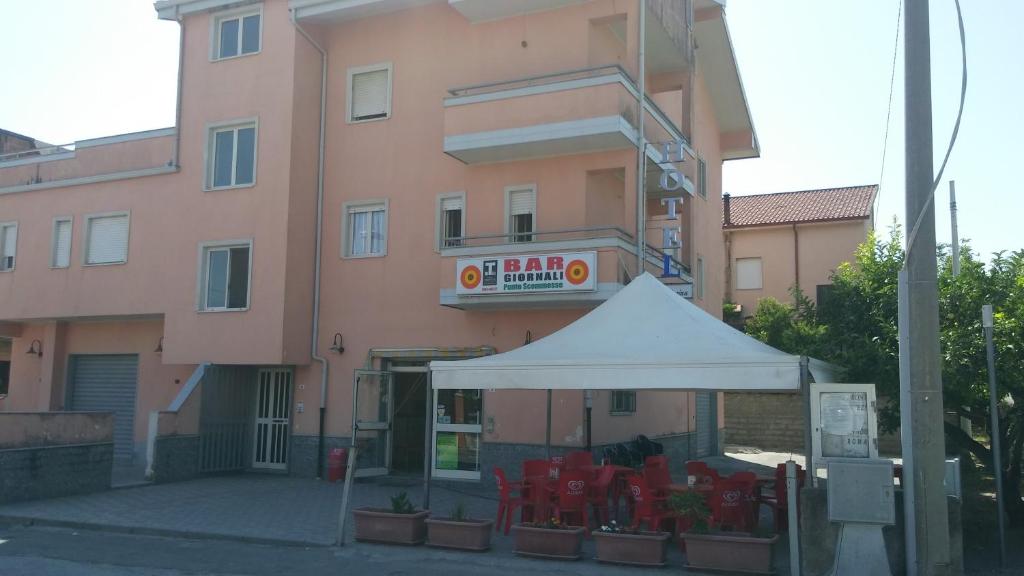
<point>147,531</point>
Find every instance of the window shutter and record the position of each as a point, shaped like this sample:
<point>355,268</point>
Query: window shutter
<point>62,244</point>
<point>748,273</point>
<point>369,94</point>
<point>108,240</point>
<point>451,203</point>
<point>9,240</point>
<point>522,202</point>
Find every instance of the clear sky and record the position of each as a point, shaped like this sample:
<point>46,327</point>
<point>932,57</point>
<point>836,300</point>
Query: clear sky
<point>816,74</point>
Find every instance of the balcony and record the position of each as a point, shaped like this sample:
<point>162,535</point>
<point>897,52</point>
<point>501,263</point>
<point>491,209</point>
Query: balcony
<point>571,268</point>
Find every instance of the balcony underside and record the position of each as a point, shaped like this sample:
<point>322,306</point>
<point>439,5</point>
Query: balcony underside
<point>542,140</point>
<point>605,290</point>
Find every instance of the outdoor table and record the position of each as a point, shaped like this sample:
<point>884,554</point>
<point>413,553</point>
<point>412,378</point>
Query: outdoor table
<point>618,481</point>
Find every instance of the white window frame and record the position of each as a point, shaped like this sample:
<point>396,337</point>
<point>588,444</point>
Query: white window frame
<point>3,226</point>
<point>702,175</point>
<point>209,153</point>
<point>351,101</point>
<point>760,284</point>
<point>611,403</point>
<point>85,237</point>
<point>477,429</point>
<point>439,219</point>
<point>235,14</point>
<point>508,210</point>
<point>53,240</point>
<point>203,268</point>
<point>346,225</point>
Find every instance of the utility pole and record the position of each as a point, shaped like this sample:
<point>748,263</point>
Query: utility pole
<point>956,236</point>
<point>993,409</point>
<point>924,375</point>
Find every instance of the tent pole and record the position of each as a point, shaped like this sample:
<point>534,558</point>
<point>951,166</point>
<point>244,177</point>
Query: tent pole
<point>350,471</point>
<point>547,432</point>
<point>805,388</point>
<point>427,443</point>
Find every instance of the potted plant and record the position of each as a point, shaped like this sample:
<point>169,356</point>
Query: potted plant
<point>715,550</point>
<point>401,524</point>
<point>623,545</point>
<point>459,531</point>
<point>551,539</point>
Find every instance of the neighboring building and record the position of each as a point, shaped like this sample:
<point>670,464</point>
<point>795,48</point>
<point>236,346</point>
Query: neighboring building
<point>774,242</point>
<point>777,241</point>
<point>171,275</point>
<point>11,142</point>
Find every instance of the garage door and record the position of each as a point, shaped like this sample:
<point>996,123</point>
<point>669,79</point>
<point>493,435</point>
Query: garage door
<point>107,384</point>
<point>707,424</point>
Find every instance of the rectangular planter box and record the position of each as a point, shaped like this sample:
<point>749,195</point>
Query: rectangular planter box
<point>738,552</point>
<point>643,549</point>
<point>548,543</point>
<point>379,525</point>
<point>468,534</point>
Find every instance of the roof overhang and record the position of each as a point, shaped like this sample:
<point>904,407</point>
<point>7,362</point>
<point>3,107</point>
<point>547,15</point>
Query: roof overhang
<point>172,9</point>
<point>331,11</point>
<point>717,63</point>
<point>486,10</point>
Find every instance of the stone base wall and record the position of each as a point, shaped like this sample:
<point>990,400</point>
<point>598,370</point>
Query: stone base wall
<point>52,471</point>
<point>176,458</point>
<point>302,458</point>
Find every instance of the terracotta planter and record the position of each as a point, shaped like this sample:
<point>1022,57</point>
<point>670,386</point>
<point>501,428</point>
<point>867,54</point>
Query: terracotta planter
<point>463,535</point>
<point>380,525</point>
<point>739,552</point>
<point>643,549</point>
<point>548,543</point>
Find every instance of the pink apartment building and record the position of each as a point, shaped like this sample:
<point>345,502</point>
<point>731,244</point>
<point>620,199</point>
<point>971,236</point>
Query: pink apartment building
<point>352,190</point>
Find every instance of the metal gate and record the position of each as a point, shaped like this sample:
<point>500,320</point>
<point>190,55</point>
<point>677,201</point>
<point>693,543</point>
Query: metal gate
<point>273,399</point>
<point>107,383</point>
<point>226,411</point>
<point>707,424</point>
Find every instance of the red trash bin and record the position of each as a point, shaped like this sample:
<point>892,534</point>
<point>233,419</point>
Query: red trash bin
<point>337,463</point>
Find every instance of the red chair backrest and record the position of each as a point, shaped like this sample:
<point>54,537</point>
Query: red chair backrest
<point>575,460</point>
<point>536,468</point>
<point>502,482</point>
<point>747,477</point>
<point>656,460</point>
<point>572,489</point>
<point>731,504</point>
<point>603,481</point>
<point>641,495</point>
<point>704,474</point>
<point>781,494</point>
<point>657,477</point>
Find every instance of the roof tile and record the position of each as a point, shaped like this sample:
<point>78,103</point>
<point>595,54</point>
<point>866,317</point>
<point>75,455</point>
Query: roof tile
<point>852,202</point>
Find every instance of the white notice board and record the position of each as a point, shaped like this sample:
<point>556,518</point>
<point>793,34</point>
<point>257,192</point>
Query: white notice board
<point>844,421</point>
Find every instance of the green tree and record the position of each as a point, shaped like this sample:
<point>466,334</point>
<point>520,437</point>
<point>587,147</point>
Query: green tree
<point>855,327</point>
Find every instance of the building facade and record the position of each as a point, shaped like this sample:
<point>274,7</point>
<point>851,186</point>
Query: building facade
<point>353,190</point>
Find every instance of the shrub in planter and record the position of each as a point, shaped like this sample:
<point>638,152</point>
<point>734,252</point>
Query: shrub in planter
<point>400,524</point>
<point>551,540</point>
<point>621,545</point>
<point>459,531</point>
<point>732,551</point>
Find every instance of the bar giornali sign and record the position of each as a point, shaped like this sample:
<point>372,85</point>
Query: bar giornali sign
<point>564,272</point>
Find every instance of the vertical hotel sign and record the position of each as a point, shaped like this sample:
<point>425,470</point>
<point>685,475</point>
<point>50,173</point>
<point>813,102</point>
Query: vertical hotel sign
<point>563,272</point>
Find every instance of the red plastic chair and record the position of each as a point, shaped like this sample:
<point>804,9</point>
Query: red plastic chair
<point>600,490</point>
<point>658,478</point>
<point>778,499</point>
<point>656,460</point>
<point>508,503</point>
<point>732,505</point>
<point>647,507</point>
<point>555,466</point>
<point>536,468</point>
<point>577,460</point>
<point>572,497</point>
<point>704,474</point>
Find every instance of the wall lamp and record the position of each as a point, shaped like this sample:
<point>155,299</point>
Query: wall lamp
<point>160,346</point>
<point>36,348</point>
<point>529,338</point>
<point>337,347</point>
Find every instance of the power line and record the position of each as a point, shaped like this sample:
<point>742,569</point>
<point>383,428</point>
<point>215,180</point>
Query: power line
<point>888,113</point>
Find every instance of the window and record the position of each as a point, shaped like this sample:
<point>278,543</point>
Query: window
<point>451,220</point>
<point>366,229</point>
<point>224,279</point>
<point>8,245</point>
<point>702,169</point>
<point>748,274</point>
<point>5,377</point>
<point>623,402</point>
<point>60,256</point>
<point>231,156</point>
<point>700,277</point>
<point>521,208</point>
<point>369,93</point>
<point>106,238</point>
<point>236,34</point>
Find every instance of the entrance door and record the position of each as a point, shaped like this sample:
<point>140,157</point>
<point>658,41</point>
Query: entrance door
<point>457,431</point>
<point>107,383</point>
<point>409,419</point>
<point>707,424</point>
<point>371,421</point>
<point>273,401</point>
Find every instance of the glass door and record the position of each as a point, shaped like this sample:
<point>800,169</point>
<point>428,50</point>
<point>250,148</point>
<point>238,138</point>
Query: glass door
<point>458,425</point>
<point>371,422</point>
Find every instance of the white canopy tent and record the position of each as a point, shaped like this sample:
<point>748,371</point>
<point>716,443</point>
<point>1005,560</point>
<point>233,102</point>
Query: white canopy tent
<point>645,337</point>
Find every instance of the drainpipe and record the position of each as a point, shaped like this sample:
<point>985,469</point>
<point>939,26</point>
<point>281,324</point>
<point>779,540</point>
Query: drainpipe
<point>727,210</point>
<point>181,74</point>
<point>314,352</point>
<point>641,145</point>
<point>796,255</point>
